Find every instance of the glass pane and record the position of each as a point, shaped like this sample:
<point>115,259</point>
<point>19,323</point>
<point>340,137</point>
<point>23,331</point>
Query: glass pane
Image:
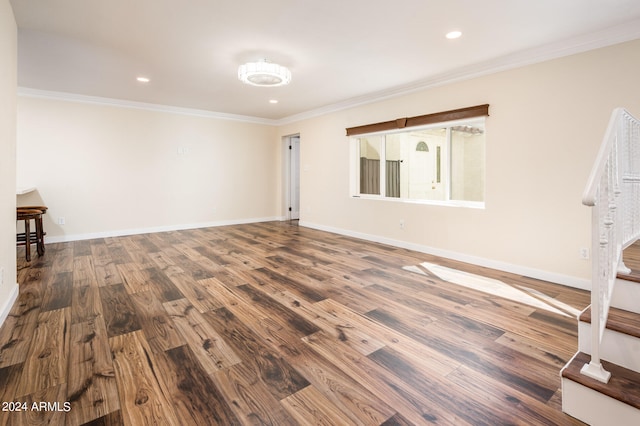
<point>394,154</point>
<point>370,164</point>
<point>467,162</point>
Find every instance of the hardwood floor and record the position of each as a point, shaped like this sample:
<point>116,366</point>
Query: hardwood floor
<point>277,324</point>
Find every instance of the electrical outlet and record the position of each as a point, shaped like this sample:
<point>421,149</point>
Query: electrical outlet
<point>401,223</point>
<point>584,253</point>
<point>61,220</point>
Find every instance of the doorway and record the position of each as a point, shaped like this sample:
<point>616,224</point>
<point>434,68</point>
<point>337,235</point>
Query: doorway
<point>293,173</point>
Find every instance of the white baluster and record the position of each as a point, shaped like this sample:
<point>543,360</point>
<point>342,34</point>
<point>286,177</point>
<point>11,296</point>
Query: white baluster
<point>613,192</point>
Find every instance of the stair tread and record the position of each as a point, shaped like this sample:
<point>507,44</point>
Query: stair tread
<point>634,276</point>
<point>619,320</point>
<point>624,384</point>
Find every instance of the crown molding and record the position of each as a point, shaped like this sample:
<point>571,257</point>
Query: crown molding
<point>608,37</point>
<point>121,103</point>
<point>622,33</point>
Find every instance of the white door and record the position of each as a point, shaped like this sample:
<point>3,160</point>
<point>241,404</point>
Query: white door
<point>427,171</point>
<point>294,177</point>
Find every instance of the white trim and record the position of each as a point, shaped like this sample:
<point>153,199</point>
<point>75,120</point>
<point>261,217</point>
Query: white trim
<point>287,181</point>
<point>136,231</point>
<point>567,280</point>
<point>586,42</point>
<point>595,408</point>
<point>444,203</point>
<point>96,100</point>
<point>286,174</point>
<point>626,296</point>
<point>615,346</point>
<point>8,303</point>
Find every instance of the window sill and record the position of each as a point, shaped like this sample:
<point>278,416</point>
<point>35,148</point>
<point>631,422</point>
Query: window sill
<point>447,203</point>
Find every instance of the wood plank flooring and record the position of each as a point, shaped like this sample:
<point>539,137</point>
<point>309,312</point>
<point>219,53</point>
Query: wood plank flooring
<point>275,324</point>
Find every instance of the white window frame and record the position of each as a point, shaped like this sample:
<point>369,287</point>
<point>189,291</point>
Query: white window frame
<point>354,181</point>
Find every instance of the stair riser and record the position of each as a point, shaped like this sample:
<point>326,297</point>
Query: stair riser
<point>626,295</point>
<point>618,348</point>
<point>595,408</point>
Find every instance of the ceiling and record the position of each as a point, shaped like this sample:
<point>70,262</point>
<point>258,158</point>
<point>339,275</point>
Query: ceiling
<point>341,52</point>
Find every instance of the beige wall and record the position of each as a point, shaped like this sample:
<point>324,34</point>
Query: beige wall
<point>114,170</point>
<point>111,170</point>
<point>8,70</point>
<point>546,123</point>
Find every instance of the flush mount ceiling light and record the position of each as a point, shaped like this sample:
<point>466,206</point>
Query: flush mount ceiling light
<point>264,74</point>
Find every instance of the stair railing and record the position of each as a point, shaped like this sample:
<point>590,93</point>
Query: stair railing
<point>613,193</point>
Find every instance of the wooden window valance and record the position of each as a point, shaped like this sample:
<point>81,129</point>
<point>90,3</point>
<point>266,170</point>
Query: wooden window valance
<point>421,120</point>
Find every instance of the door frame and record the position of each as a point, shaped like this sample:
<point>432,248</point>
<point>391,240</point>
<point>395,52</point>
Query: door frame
<point>289,161</point>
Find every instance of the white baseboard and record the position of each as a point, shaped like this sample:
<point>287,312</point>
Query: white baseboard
<point>5,308</point>
<point>569,281</point>
<point>136,231</point>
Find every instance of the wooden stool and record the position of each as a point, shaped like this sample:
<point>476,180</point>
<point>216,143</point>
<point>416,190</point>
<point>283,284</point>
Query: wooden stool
<point>39,227</point>
<point>43,210</point>
<point>27,238</point>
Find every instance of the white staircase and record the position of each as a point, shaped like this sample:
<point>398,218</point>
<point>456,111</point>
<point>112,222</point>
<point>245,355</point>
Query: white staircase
<point>601,383</point>
<point>618,401</point>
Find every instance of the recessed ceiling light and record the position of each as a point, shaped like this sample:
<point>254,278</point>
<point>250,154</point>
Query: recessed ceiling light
<point>453,34</point>
<point>273,101</point>
<point>143,79</point>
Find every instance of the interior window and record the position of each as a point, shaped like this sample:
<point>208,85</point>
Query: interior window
<point>443,162</point>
